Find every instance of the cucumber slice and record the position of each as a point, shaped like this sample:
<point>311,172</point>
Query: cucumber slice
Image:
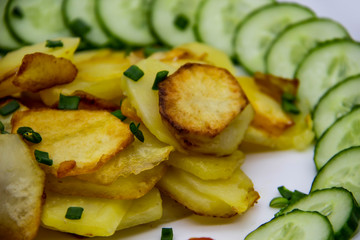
<point>335,103</point>
<point>291,45</point>
<point>297,225</point>
<point>323,67</point>
<point>216,21</point>
<point>172,21</point>
<point>337,204</point>
<point>79,16</point>
<point>35,21</point>
<point>7,41</point>
<point>125,20</point>
<point>255,34</point>
<point>343,134</point>
<point>342,170</point>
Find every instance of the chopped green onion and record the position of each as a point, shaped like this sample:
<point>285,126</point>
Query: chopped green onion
<point>181,22</point>
<point>134,73</point>
<point>54,43</point>
<point>279,202</point>
<point>17,12</point>
<point>68,102</point>
<point>136,131</point>
<point>30,135</point>
<point>148,51</point>
<point>160,76</point>
<point>288,103</point>
<point>286,193</point>
<point>288,96</point>
<point>119,115</point>
<point>43,157</point>
<point>2,128</point>
<point>74,213</point>
<point>9,108</point>
<point>166,234</point>
<point>79,27</point>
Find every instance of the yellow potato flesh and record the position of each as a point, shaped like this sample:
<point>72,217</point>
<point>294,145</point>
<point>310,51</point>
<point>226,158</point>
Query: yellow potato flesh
<point>99,218</point>
<point>207,167</point>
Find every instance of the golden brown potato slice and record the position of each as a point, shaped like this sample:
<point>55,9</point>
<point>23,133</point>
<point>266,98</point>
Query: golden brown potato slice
<point>77,141</point>
<point>207,167</point>
<point>198,102</point>
<point>136,158</point>
<point>21,190</point>
<point>130,187</point>
<point>218,198</point>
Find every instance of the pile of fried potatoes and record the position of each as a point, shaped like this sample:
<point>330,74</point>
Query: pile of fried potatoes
<point>192,124</point>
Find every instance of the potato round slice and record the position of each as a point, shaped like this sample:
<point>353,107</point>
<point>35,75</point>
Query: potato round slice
<point>199,101</point>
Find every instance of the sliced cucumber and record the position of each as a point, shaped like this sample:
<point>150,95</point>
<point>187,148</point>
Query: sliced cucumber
<point>7,41</point>
<point>291,45</point>
<point>344,133</point>
<point>342,170</point>
<point>216,21</point>
<point>297,225</point>
<point>336,102</point>
<point>324,66</point>
<point>337,204</point>
<point>79,16</point>
<point>172,21</point>
<point>257,31</point>
<point>36,20</point>
<point>125,20</point>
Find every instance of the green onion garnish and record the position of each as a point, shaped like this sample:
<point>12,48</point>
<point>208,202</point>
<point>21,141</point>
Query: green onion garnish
<point>288,103</point>
<point>119,115</point>
<point>74,213</point>
<point>2,128</point>
<point>134,73</point>
<point>43,157</point>
<point>68,102</point>
<point>136,131</point>
<point>279,202</point>
<point>160,76</point>
<point>166,234</point>
<point>17,12</point>
<point>54,43</point>
<point>30,135</point>
<point>79,27</point>
<point>9,108</point>
<point>181,22</point>
<point>148,51</point>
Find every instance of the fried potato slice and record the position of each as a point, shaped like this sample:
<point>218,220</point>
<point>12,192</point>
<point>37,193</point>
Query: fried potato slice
<point>143,210</point>
<point>10,63</point>
<point>207,167</point>
<point>198,102</point>
<point>130,187</point>
<point>217,198</point>
<point>100,216</point>
<point>77,141</point>
<point>21,190</point>
<point>136,158</point>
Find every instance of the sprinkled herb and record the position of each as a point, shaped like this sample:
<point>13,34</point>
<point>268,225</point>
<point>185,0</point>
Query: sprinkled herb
<point>166,234</point>
<point>43,157</point>
<point>160,76</point>
<point>9,108</point>
<point>74,213</point>
<point>68,102</point>
<point>279,202</point>
<point>148,51</point>
<point>134,73</point>
<point>54,43</point>
<point>119,115</point>
<point>136,131</point>
<point>287,198</point>
<point>17,12</point>
<point>181,22</point>
<point>29,134</point>
<point>2,128</point>
<point>79,27</point>
<point>288,103</point>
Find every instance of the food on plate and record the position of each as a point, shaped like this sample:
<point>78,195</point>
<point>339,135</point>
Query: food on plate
<point>21,187</point>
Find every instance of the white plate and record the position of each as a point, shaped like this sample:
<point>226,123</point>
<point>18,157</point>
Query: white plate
<point>268,170</point>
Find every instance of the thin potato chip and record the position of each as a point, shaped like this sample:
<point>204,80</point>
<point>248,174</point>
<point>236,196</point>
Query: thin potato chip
<point>130,187</point>
<point>77,141</point>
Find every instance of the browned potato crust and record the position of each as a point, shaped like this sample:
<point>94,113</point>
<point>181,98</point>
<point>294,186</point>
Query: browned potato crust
<point>199,101</point>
